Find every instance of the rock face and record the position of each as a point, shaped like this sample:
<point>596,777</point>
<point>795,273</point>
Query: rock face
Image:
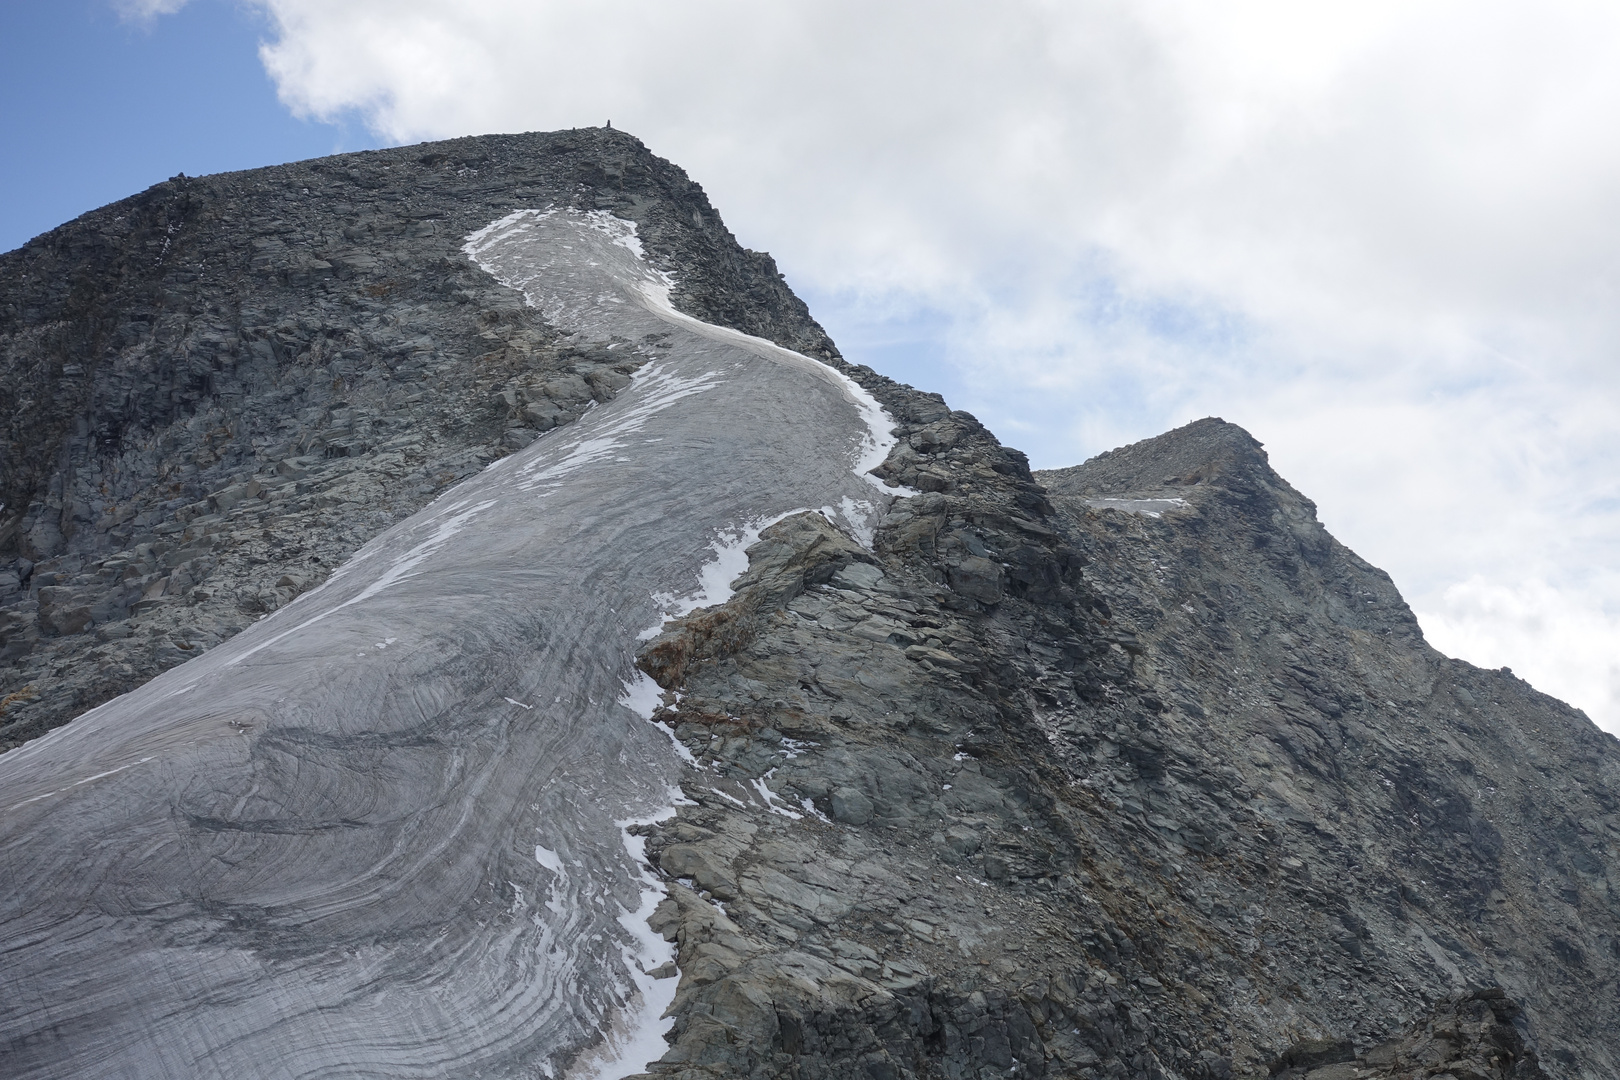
<point>1125,770</point>
<point>1177,790</point>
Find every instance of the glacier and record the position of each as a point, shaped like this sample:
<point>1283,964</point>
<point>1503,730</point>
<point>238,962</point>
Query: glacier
<point>382,832</point>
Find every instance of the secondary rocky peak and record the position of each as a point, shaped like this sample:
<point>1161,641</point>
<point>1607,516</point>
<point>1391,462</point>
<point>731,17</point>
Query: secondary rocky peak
<point>1205,451</point>
<point>1214,480</point>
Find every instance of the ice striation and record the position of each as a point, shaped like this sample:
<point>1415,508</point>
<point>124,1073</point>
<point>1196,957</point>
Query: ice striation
<point>382,832</point>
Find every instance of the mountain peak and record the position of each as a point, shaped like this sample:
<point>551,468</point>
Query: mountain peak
<point>501,636</point>
<point>1204,451</point>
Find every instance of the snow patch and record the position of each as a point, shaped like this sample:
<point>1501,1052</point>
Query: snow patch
<point>715,577</point>
<point>773,801</point>
<point>858,515</point>
<point>1146,507</point>
<point>636,1037</point>
<point>618,230</point>
<point>550,860</point>
<point>642,696</point>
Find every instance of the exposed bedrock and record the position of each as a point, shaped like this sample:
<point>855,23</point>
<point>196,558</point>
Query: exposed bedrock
<point>1124,770</point>
<point>1184,794</point>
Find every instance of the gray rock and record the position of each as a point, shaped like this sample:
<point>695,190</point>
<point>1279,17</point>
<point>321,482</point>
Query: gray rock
<point>851,806</point>
<point>858,577</point>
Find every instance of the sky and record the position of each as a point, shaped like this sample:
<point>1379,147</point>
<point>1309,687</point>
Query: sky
<point>1384,237</point>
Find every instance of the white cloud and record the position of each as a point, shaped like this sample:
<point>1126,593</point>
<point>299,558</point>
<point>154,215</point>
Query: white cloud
<point>1554,639</point>
<point>147,10</point>
<point>1384,236</point>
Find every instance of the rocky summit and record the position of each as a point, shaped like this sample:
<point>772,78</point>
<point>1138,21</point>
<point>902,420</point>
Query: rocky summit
<point>462,617</point>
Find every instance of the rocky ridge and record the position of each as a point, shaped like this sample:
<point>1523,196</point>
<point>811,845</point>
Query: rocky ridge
<point>1142,775</point>
<point>1123,770</point>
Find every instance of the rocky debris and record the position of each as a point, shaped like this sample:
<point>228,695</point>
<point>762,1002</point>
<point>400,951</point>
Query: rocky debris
<point>1472,1036</point>
<point>869,817</point>
<point>1410,803</point>
<point>226,385</point>
<point>791,556</point>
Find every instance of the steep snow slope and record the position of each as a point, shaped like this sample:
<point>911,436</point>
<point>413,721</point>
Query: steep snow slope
<point>380,833</point>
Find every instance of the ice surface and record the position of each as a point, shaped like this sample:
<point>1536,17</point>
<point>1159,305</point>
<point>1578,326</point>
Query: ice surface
<point>636,1035</point>
<point>383,821</point>
<point>879,440</point>
<point>446,523</point>
<point>85,780</point>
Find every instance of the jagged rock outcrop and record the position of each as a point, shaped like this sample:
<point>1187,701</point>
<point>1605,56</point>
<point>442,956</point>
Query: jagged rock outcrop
<point>1125,770</point>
